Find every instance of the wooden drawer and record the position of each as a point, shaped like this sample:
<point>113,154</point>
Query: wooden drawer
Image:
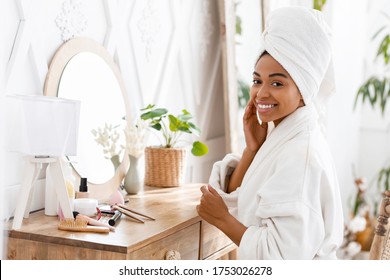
<point>23,249</point>
<point>214,242</point>
<point>185,241</point>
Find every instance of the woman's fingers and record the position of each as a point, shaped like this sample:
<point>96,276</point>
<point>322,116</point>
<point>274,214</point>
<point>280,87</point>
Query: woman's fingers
<point>212,190</point>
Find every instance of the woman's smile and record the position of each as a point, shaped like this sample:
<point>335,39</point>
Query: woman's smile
<point>264,108</point>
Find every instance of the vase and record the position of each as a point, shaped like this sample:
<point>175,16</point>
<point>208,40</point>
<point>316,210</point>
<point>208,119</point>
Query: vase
<point>115,161</point>
<point>134,179</point>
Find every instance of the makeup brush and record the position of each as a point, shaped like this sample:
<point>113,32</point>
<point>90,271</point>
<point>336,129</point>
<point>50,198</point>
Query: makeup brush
<point>91,221</point>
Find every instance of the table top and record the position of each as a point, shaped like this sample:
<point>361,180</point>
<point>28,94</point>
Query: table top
<point>173,208</point>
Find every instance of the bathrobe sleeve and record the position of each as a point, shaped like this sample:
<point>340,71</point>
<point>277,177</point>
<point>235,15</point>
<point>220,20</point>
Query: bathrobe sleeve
<point>288,222</point>
<point>219,178</point>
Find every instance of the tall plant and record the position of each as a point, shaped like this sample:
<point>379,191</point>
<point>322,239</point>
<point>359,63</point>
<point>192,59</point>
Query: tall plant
<point>376,90</point>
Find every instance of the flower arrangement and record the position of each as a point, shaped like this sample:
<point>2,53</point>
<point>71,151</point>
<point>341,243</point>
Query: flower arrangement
<point>135,138</point>
<point>172,127</point>
<point>358,230</point>
<point>107,137</point>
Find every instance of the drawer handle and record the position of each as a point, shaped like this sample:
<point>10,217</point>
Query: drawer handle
<point>172,255</point>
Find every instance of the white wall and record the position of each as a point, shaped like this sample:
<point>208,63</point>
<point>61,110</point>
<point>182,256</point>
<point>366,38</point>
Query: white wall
<point>349,20</point>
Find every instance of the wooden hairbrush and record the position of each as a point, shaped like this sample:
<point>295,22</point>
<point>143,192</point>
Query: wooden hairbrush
<point>80,225</point>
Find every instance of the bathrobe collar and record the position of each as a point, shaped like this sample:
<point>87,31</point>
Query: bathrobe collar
<point>304,118</point>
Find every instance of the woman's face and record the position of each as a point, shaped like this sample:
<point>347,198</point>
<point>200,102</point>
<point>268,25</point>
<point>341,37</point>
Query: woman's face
<point>273,91</point>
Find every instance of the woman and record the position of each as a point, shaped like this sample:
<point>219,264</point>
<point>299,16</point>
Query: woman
<point>280,199</point>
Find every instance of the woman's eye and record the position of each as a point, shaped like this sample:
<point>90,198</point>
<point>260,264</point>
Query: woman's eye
<point>276,84</point>
<point>256,82</point>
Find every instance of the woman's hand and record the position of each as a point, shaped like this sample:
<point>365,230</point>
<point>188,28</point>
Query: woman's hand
<point>255,134</point>
<point>212,208</point>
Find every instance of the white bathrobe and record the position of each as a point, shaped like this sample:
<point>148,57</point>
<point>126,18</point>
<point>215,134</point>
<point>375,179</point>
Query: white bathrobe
<point>289,197</point>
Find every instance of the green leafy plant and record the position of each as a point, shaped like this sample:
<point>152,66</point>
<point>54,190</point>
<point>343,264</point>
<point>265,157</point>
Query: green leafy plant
<point>172,127</point>
<point>243,93</point>
<point>376,91</point>
<point>384,178</point>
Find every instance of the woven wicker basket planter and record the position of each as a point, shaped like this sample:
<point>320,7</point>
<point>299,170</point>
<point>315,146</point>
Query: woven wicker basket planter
<point>165,167</point>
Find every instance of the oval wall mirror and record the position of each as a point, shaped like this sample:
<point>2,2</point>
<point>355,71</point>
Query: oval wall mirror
<point>82,69</point>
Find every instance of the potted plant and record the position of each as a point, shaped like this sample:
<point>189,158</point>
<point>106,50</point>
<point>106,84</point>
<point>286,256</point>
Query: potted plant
<point>165,165</point>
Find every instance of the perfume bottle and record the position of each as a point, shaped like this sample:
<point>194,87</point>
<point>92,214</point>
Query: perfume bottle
<point>83,189</point>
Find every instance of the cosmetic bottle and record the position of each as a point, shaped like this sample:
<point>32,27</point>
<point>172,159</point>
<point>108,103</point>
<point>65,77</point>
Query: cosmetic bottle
<point>69,184</point>
<point>70,181</point>
<point>83,189</point>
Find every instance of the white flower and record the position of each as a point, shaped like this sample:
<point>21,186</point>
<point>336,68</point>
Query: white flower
<point>357,224</point>
<point>107,137</point>
<point>135,138</point>
<point>353,248</point>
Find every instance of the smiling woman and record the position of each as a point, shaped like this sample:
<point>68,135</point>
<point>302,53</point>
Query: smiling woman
<point>83,70</point>
<point>280,199</point>
<point>273,93</point>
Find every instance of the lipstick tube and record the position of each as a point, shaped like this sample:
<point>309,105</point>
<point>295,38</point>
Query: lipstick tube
<point>114,218</point>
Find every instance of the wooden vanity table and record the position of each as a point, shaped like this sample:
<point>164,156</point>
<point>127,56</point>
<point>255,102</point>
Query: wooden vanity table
<point>177,228</point>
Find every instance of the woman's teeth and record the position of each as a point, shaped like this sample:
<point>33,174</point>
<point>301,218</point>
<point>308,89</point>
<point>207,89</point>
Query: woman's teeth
<point>262,106</point>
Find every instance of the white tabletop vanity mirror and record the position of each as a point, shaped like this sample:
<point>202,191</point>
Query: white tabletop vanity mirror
<point>82,69</point>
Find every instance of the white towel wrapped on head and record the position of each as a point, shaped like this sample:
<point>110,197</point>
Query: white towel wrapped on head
<point>305,55</point>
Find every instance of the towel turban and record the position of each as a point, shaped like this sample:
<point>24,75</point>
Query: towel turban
<point>299,39</point>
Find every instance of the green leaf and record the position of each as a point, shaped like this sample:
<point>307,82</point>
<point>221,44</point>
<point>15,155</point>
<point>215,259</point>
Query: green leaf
<point>184,127</point>
<point>319,4</point>
<point>384,49</point>
<point>150,106</point>
<point>383,182</point>
<point>185,112</point>
<point>174,123</point>
<point>374,91</point>
<point>185,116</point>
<point>238,25</point>
<point>154,114</point>
<point>194,129</point>
<point>156,126</point>
<point>243,93</point>
<point>199,149</point>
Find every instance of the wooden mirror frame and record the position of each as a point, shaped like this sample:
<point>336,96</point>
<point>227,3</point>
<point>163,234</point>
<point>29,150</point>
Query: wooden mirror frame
<point>58,63</point>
